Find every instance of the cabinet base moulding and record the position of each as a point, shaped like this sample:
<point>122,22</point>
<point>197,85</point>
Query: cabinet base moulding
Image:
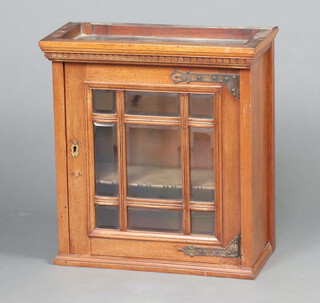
<point>152,265</point>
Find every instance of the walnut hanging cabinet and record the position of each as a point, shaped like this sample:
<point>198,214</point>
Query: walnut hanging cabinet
<point>164,147</point>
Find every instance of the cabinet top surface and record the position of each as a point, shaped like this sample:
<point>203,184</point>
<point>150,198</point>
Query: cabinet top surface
<point>157,39</point>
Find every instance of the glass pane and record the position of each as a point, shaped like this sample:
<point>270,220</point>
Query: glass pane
<point>151,219</point>
<point>106,159</point>
<point>202,161</point>
<point>104,101</point>
<point>107,216</point>
<point>202,222</point>
<point>201,106</point>
<point>154,161</point>
<point>154,104</point>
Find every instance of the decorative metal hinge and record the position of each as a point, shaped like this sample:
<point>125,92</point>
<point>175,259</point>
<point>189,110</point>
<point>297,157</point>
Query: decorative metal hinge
<point>231,251</point>
<point>231,81</point>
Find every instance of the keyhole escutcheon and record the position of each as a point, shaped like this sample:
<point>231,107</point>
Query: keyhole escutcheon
<point>75,149</point>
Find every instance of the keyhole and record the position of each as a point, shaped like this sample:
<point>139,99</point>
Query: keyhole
<point>74,150</point>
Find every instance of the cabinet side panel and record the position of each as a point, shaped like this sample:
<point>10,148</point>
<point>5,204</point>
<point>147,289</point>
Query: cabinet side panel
<point>259,158</point>
<point>254,155</point>
<point>246,168</point>
<point>61,161</point>
<point>256,158</point>
<point>76,121</point>
<point>269,65</point>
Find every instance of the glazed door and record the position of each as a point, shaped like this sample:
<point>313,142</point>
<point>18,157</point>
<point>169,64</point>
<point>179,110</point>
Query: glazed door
<point>151,164</point>
<point>154,162</point>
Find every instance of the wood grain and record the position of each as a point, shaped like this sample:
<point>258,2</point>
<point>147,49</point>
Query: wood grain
<point>246,129</point>
<point>185,158</point>
<point>257,159</point>
<point>151,250</point>
<point>269,65</point>
<point>61,151</point>
<point>122,156</point>
<point>133,235</point>
<point>77,167</point>
<point>91,160</point>
<point>243,144</point>
<point>63,45</point>
<point>182,267</point>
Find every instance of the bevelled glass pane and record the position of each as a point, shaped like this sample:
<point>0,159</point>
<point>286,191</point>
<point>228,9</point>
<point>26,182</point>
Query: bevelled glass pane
<point>104,101</point>
<point>107,216</point>
<point>154,161</point>
<point>152,104</point>
<point>152,219</point>
<point>106,159</point>
<point>202,222</point>
<point>202,164</point>
<point>201,106</point>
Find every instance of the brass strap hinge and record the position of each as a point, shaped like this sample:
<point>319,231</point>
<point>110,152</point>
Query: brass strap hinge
<point>231,81</point>
<point>231,251</point>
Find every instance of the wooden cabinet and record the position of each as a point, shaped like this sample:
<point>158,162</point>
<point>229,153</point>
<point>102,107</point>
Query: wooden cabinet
<point>164,147</point>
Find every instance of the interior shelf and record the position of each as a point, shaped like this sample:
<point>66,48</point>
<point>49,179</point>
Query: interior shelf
<point>157,177</point>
